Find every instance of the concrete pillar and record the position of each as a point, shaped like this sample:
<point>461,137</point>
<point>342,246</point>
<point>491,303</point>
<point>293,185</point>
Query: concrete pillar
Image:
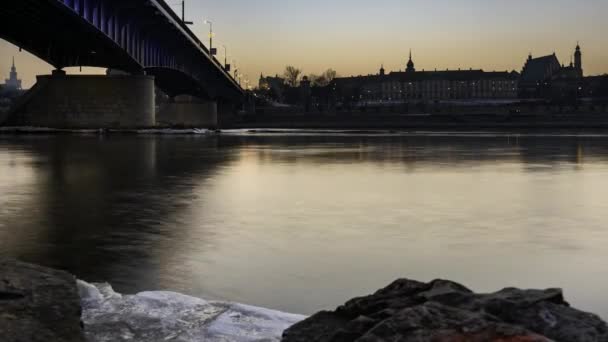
<point>188,111</point>
<point>228,112</point>
<point>87,101</point>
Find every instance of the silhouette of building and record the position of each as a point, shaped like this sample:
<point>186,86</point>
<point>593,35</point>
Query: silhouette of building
<point>410,64</point>
<point>12,83</point>
<point>275,85</point>
<point>411,85</point>
<point>545,77</point>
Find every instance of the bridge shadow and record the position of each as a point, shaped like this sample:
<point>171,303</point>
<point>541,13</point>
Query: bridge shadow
<point>101,208</point>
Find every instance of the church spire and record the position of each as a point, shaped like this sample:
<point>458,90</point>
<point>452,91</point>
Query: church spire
<point>410,64</point>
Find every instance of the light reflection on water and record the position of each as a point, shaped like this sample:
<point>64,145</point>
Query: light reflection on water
<point>303,222</point>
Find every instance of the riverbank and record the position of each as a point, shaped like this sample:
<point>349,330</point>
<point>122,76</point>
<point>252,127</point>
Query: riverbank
<point>39,304</point>
<point>42,304</point>
<point>446,122</point>
<point>456,122</point>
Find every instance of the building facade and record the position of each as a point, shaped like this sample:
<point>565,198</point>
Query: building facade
<point>275,85</point>
<point>545,77</point>
<point>421,86</point>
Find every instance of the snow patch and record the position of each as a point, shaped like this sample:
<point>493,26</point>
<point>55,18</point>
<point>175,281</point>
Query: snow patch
<point>169,316</point>
<point>174,131</point>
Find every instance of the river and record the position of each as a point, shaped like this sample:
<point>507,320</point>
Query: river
<point>303,221</point>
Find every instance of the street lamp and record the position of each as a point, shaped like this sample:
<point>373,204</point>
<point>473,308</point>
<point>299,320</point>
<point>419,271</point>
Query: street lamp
<point>226,65</point>
<point>184,14</point>
<point>211,49</point>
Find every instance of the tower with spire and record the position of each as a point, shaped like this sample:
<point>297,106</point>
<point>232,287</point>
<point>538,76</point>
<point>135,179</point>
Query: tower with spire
<point>410,64</point>
<point>578,59</point>
<point>382,71</point>
<point>13,82</point>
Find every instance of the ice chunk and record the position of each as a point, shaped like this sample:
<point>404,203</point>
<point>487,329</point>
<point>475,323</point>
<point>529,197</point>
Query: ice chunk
<point>89,293</point>
<point>168,316</point>
<point>243,323</point>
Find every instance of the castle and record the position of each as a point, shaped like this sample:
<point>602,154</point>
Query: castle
<point>413,85</point>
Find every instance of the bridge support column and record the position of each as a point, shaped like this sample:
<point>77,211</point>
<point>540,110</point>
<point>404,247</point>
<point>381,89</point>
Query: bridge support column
<point>188,111</point>
<point>228,112</point>
<point>87,101</point>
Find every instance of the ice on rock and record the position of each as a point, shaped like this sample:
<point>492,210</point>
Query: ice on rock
<point>168,316</point>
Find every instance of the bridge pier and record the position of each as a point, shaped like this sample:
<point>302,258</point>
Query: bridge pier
<point>188,111</point>
<point>87,101</point>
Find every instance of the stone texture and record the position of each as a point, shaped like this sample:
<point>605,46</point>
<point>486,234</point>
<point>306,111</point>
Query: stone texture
<point>87,101</point>
<point>188,111</point>
<point>441,311</point>
<point>38,304</point>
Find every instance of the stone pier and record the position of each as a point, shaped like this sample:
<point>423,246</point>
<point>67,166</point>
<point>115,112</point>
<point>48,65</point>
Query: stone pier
<point>188,111</point>
<point>87,101</point>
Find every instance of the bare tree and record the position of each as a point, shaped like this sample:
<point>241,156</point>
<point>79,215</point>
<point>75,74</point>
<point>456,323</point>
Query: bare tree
<point>318,80</point>
<point>330,75</point>
<point>324,79</point>
<point>292,75</point>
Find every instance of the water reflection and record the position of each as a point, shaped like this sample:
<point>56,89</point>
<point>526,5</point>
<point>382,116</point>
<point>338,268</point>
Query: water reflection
<point>304,222</point>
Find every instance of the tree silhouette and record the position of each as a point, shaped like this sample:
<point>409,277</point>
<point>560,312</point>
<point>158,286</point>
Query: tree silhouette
<point>324,79</point>
<point>318,80</point>
<point>330,75</point>
<point>292,75</point>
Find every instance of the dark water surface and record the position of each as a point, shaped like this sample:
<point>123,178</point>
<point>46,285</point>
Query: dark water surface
<point>304,222</point>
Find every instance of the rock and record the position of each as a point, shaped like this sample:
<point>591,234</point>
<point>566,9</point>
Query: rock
<point>442,310</point>
<point>38,304</point>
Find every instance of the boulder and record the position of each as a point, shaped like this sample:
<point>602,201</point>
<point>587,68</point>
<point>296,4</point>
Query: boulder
<point>38,304</point>
<point>442,310</point>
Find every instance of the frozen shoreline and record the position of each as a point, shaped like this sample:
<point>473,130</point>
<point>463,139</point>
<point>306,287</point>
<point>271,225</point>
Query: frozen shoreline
<point>169,316</point>
<point>262,131</point>
<point>39,304</point>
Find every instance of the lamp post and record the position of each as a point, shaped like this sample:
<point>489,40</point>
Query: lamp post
<point>184,14</point>
<point>225,55</point>
<point>212,51</point>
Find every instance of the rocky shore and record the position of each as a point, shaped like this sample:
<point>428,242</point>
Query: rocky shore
<point>41,304</point>
<point>38,304</point>
<point>442,310</point>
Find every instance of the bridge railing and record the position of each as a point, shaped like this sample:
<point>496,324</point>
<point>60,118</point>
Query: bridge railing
<point>93,12</point>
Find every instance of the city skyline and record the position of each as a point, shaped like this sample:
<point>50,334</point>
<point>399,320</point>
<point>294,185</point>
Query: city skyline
<point>355,38</point>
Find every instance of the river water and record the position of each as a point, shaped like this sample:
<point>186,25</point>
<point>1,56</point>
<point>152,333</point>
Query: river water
<point>301,222</point>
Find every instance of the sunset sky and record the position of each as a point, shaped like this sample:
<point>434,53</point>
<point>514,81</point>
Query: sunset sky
<point>354,36</point>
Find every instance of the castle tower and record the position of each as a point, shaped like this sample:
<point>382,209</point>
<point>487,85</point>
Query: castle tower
<point>410,64</point>
<point>578,59</point>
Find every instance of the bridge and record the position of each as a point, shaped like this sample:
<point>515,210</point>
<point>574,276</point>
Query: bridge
<point>143,38</point>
